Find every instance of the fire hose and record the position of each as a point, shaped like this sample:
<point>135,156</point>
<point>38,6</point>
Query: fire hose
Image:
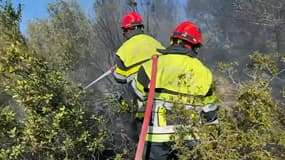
<point>147,116</point>
<point>111,70</point>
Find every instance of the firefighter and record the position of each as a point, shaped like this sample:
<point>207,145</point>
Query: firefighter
<point>137,49</point>
<point>181,78</point>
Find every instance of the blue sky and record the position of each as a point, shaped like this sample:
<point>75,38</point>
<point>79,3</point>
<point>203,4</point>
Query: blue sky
<point>37,9</point>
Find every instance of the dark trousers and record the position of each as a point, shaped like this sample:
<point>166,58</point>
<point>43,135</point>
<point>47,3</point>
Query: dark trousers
<point>159,151</point>
<point>164,151</point>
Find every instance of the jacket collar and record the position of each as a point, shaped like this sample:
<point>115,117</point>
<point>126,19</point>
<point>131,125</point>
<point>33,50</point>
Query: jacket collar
<point>132,33</point>
<point>177,50</point>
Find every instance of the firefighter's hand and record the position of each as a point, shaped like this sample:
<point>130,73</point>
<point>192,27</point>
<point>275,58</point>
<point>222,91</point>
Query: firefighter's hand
<point>209,114</point>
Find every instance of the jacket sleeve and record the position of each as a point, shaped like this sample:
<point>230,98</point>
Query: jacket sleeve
<point>119,71</point>
<point>209,112</point>
<point>140,84</point>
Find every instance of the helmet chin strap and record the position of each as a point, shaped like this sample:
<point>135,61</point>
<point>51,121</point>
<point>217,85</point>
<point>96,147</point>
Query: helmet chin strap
<point>187,46</point>
<point>196,49</point>
<point>181,43</point>
<point>125,34</point>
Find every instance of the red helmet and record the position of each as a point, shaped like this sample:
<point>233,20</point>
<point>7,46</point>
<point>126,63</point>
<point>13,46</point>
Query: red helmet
<point>131,19</point>
<point>189,32</point>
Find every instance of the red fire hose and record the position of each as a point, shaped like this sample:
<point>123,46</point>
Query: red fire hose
<point>146,120</point>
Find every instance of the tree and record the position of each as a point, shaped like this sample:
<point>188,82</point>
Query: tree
<point>106,24</point>
<point>223,38</point>
<point>263,13</point>
<point>56,124</point>
<point>235,24</point>
<point>9,29</point>
<point>160,17</point>
<point>65,39</point>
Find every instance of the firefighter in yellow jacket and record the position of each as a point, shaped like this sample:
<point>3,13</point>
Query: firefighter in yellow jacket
<point>137,49</point>
<point>180,76</point>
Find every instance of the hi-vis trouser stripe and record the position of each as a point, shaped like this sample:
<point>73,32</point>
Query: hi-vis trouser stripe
<point>164,134</point>
<point>161,116</point>
<point>164,137</point>
<point>163,129</point>
<point>160,131</point>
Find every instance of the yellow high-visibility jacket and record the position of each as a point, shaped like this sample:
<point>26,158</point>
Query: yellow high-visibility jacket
<point>132,54</point>
<point>181,78</point>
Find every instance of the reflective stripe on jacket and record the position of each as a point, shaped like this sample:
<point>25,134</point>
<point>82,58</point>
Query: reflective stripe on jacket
<point>130,56</point>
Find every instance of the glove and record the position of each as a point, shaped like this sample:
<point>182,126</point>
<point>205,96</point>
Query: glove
<point>209,114</point>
